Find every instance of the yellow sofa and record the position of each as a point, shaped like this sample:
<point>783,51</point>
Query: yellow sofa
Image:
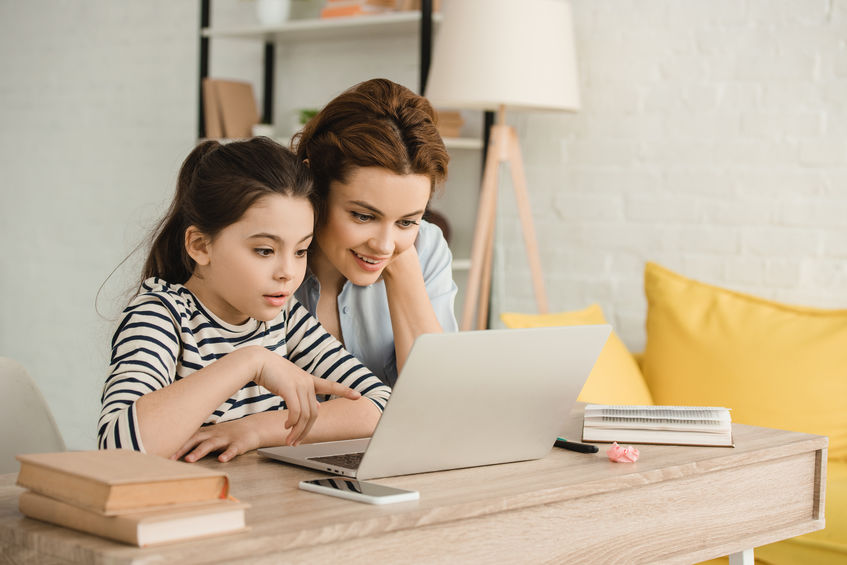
<point>773,364</point>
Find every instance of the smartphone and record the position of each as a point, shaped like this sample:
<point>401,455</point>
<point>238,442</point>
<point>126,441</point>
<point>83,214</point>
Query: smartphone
<point>359,491</point>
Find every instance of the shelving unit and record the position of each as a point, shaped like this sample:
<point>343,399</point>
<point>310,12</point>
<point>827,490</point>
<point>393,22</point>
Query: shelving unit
<point>294,49</point>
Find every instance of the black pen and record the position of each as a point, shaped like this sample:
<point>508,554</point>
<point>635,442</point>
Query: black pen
<point>574,446</point>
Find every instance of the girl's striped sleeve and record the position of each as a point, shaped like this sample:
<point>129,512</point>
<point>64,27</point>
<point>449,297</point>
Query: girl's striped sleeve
<point>315,350</point>
<point>145,348</point>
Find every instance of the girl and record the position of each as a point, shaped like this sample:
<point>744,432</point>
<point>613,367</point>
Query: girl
<point>380,275</point>
<point>215,338</point>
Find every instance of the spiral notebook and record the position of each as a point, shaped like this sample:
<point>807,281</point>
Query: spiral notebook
<point>674,425</point>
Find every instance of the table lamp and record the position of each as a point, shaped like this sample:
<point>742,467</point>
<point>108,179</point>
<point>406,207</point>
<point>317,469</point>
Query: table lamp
<point>493,55</point>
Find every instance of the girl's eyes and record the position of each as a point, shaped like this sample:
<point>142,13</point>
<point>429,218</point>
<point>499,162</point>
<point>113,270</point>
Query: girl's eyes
<point>407,223</point>
<point>267,252</point>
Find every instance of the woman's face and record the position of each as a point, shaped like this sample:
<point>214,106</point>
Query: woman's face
<point>371,219</point>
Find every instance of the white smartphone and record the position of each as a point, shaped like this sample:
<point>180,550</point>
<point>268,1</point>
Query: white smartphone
<point>359,491</point>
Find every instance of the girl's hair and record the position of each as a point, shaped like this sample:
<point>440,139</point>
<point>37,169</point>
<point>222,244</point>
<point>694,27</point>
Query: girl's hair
<point>376,123</point>
<point>217,184</point>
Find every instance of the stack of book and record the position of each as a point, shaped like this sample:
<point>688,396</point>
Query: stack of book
<point>345,8</point>
<point>677,425</point>
<point>449,123</point>
<point>128,496</point>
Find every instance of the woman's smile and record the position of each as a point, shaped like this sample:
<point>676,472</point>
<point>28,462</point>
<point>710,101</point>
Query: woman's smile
<point>369,263</point>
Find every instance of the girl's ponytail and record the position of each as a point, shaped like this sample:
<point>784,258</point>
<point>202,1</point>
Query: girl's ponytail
<point>168,259</point>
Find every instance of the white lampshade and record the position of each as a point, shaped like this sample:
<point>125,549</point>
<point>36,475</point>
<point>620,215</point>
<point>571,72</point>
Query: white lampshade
<point>513,53</point>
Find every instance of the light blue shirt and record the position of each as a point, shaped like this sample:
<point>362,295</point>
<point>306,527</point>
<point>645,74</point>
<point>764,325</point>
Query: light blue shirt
<point>363,310</point>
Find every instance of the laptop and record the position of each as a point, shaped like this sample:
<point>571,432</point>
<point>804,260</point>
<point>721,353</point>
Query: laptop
<point>467,399</point>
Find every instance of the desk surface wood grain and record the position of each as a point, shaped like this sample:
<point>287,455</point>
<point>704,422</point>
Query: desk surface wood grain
<point>675,505</point>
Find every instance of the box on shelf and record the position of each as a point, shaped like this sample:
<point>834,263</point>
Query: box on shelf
<point>449,123</point>
<point>229,108</point>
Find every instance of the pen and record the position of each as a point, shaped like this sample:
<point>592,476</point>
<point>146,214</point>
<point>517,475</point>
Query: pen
<point>575,446</point>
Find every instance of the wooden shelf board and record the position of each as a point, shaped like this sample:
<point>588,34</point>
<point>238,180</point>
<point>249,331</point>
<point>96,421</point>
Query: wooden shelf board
<point>461,264</point>
<point>449,142</point>
<point>318,29</point>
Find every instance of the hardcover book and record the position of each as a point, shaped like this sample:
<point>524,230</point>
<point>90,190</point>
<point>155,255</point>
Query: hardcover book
<point>678,425</point>
<point>140,528</point>
<point>114,481</point>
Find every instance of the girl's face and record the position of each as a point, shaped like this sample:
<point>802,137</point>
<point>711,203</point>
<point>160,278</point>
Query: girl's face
<point>371,219</point>
<point>252,266</point>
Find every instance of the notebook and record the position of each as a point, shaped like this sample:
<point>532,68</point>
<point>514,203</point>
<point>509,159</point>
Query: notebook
<point>467,399</point>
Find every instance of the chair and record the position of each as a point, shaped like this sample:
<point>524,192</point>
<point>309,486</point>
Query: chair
<point>25,418</point>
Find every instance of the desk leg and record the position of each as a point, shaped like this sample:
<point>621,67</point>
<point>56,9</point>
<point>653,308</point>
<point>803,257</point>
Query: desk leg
<point>741,558</point>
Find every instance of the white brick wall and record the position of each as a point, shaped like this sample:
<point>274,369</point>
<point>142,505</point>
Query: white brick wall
<point>712,139</point>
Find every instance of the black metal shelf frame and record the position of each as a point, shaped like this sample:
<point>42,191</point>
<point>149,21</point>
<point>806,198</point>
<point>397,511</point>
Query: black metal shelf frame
<point>269,62</point>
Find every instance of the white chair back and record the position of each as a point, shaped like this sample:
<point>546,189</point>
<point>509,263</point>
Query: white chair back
<point>26,423</point>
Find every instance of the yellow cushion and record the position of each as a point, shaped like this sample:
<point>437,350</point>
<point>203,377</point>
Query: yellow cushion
<point>615,378</point>
<point>774,365</point>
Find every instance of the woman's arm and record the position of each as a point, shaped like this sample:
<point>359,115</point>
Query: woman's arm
<point>408,302</point>
<point>420,289</point>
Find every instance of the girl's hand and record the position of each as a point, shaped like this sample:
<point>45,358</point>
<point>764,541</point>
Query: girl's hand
<point>233,438</point>
<point>298,388</point>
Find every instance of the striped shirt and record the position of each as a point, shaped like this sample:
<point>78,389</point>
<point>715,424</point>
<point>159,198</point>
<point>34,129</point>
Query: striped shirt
<point>166,334</point>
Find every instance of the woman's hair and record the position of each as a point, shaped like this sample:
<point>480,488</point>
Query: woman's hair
<point>217,184</point>
<point>376,123</point>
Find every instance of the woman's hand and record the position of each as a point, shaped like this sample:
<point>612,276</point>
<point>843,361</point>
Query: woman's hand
<point>405,264</point>
<point>233,438</point>
<point>299,389</point>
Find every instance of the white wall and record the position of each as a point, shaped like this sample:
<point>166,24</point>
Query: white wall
<point>98,108</point>
<point>712,139</point>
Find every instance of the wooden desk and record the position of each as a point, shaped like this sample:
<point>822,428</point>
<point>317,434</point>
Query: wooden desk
<point>676,505</point>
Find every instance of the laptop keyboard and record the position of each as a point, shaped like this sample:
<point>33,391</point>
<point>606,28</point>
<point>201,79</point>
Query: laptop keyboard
<point>347,460</point>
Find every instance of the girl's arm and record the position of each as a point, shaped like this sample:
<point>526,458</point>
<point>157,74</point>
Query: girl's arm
<point>171,415</point>
<point>340,418</point>
<point>420,300</point>
<point>316,351</point>
<point>144,407</point>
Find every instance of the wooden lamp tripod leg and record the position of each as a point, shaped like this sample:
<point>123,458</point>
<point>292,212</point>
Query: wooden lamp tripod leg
<point>525,213</point>
<point>487,265</point>
<point>503,146</point>
<point>484,230</point>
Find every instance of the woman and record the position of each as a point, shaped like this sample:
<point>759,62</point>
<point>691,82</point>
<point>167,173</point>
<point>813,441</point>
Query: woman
<point>379,275</point>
